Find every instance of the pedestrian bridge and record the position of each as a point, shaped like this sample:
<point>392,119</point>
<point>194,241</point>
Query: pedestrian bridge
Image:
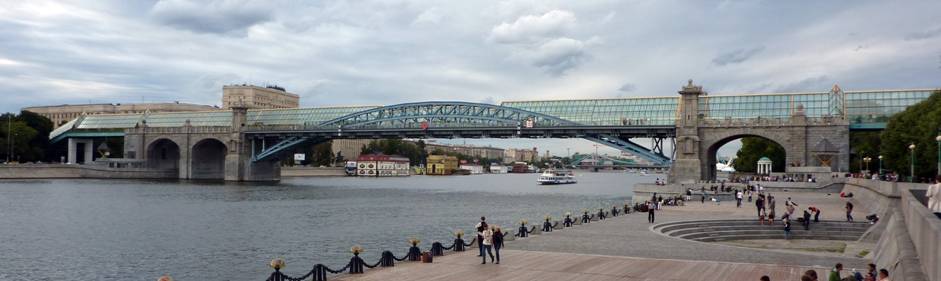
<point>698,123</point>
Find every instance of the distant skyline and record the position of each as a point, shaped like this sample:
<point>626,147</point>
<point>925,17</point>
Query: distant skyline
<point>386,52</point>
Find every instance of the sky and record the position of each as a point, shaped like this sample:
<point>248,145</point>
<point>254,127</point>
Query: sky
<point>368,52</point>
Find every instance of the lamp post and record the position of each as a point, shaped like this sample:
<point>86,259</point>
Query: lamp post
<point>938,139</point>
<point>911,148</point>
<point>880,166</point>
<point>867,159</point>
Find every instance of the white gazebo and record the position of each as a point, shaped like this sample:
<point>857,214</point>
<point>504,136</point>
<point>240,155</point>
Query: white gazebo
<point>764,166</point>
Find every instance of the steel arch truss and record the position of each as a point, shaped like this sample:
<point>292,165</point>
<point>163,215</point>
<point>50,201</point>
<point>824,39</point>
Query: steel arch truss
<point>425,115</point>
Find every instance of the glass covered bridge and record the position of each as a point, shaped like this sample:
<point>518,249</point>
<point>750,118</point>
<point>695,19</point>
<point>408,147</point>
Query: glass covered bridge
<point>613,122</point>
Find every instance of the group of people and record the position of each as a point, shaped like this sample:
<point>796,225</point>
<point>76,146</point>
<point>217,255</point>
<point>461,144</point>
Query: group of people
<point>490,241</point>
<point>836,275</point>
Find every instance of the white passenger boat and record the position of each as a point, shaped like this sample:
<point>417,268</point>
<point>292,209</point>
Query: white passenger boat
<point>553,176</point>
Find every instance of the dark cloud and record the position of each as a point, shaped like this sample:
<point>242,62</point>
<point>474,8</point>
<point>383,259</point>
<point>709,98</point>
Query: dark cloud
<point>627,87</point>
<point>923,34</point>
<point>736,56</point>
<point>210,16</point>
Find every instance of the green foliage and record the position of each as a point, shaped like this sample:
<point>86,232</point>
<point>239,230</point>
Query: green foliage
<point>919,124</point>
<point>30,136</point>
<point>753,148</point>
<point>321,154</point>
<point>864,144</point>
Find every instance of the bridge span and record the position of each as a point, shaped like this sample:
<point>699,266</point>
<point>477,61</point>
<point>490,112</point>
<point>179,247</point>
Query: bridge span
<point>245,145</point>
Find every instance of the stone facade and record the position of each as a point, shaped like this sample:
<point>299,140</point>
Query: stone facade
<point>60,114</point>
<point>255,97</point>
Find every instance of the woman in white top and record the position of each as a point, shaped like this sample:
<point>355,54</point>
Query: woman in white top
<point>934,196</point>
<point>488,244</point>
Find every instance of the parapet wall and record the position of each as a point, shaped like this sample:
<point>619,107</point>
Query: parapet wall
<point>910,242</point>
<point>67,171</point>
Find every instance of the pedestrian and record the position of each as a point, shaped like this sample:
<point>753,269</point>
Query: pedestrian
<point>806,220</point>
<point>497,242</point>
<point>812,274</point>
<point>659,202</point>
<point>488,245</point>
<point>816,212</point>
<point>749,195</point>
<point>738,199</point>
<point>650,212</point>
<point>760,204</point>
<point>934,196</point>
<point>481,226</point>
<point>884,275</point>
<point>849,211</point>
<point>835,273</point>
<point>872,273</point>
<point>787,228</point>
<point>703,198</point>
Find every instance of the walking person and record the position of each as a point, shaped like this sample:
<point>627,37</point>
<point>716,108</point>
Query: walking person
<point>760,204</point>
<point>497,242</point>
<point>835,273</point>
<point>849,211</point>
<point>806,220</point>
<point>481,226</point>
<point>738,199</point>
<point>488,245</point>
<point>650,212</point>
<point>703,198</point>
<point>934,196</point>
<point>787,228</point>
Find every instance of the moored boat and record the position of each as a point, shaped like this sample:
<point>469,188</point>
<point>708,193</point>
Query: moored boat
<point>553,176</point>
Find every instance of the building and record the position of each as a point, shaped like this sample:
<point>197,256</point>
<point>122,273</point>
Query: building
<point>255,97</point>
<point>469,150</point>
<point>61,114</point>
<point>381,165</point>
<point>350,149</point>
<point>441,165</point>
<point>520,155</point>
<point>473,168</point>
<point>764,166</point>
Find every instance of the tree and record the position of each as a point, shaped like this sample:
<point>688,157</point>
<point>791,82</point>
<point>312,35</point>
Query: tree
<point>753,148</point>
<point>864,144</point>
<point>21,136</point>
<point>919,124</point>
<point>322,154</point>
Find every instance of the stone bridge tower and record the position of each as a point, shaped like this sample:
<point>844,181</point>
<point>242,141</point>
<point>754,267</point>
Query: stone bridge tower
<point>809,142</point>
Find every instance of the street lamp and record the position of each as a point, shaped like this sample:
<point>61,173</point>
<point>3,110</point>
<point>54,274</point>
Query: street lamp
<point>880,166</point>
<point>867,159</point>
<point>911,148</point>
<point>938,139</point>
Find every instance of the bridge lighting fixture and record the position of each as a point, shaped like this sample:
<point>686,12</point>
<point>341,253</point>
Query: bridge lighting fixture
<point>911,148</point>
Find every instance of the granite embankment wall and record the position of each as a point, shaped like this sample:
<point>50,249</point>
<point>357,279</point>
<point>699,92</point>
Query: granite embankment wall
<point>908,234</point>
<point>312,172</point>
<point>65,171</point>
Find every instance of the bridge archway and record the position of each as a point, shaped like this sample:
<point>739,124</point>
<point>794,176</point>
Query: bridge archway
<point>163,154</point>
<point>712,148</point>
<point>208,160</point>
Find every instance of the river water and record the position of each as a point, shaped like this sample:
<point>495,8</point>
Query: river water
<point>139,230</point>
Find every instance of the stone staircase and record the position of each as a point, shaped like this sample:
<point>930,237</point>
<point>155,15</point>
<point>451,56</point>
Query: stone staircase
<point>726,230</point>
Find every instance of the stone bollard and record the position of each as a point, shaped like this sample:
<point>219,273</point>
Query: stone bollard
<point>387,259</point>
<point>356,263</point>
<point>523,231</point>
<point>437,249</point>
<point>414,253</point>
<point>165,278</point>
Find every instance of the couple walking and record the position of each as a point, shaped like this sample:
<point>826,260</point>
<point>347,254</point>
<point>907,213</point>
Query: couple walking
<point>490,240</point>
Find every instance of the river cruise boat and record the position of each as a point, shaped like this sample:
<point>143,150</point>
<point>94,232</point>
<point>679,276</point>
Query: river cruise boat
<point>553,176</point>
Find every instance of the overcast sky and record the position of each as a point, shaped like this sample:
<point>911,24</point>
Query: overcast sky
<point>385,52</point>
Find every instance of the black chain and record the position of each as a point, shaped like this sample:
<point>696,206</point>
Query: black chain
<point>374,265</point>
<point>449,247</point>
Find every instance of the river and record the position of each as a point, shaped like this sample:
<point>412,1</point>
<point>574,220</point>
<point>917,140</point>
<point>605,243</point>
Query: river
<point>139,230</point>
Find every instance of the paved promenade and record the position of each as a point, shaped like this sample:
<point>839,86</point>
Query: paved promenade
<point>624,248</point>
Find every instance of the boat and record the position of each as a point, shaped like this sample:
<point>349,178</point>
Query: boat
<point>553,176</point>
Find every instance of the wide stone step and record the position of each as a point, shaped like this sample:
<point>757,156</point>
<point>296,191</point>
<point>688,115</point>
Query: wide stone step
<point>769,232</point>
<point>701,224</point>
<point>774,236</point>
<point>758,228</point>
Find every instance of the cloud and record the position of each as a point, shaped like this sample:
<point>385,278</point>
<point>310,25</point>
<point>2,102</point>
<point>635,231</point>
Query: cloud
<point>627,87</point>
<point>810,84</point>
<point>429,16</point>
<point>531,28</point>
<point>923,34</point>
<point>736,56</point>
<point>559,55</point>
<point>220,16</point>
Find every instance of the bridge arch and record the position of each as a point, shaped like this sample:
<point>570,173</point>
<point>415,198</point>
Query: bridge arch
<point>163,154</point>
<point>712,149</point>
<point>444,114</point>
<point>208,159</point>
